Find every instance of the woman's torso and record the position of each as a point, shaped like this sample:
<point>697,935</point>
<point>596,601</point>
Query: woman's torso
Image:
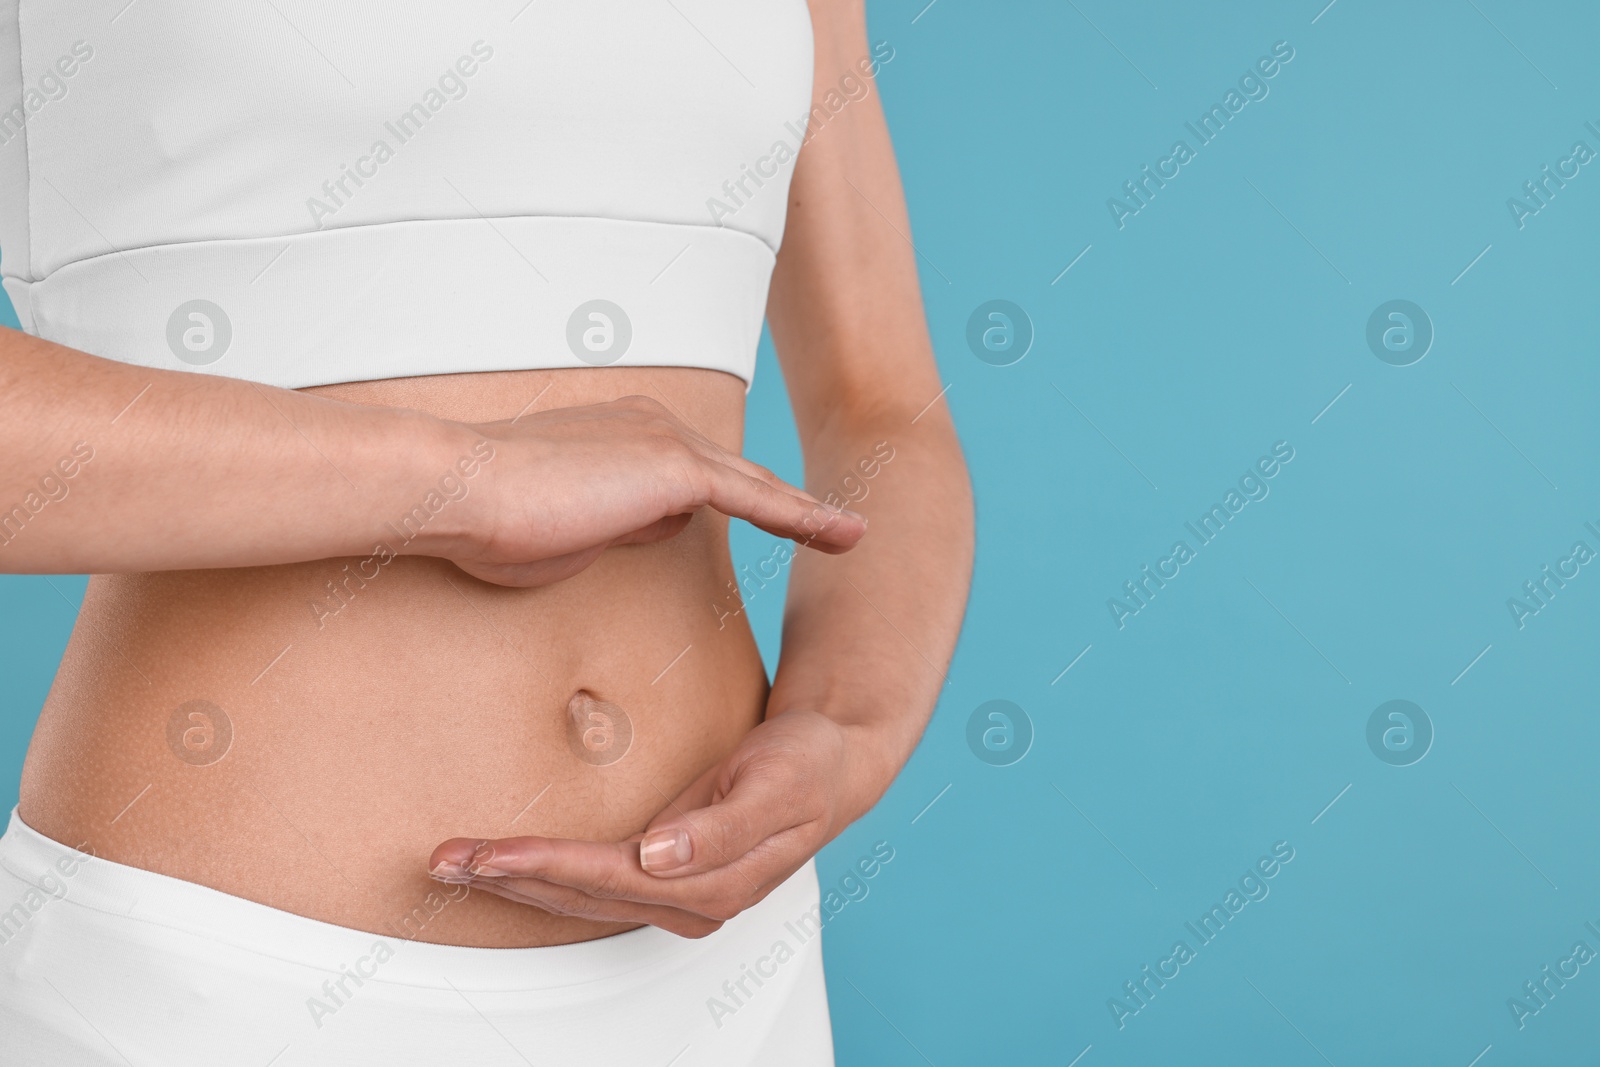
<point>348,728</point>
<point>434,199</point>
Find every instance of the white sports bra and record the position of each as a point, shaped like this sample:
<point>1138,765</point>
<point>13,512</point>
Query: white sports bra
<point>301,192</point>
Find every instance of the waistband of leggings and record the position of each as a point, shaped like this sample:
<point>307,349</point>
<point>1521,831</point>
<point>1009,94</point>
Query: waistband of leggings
<point>158,901</point>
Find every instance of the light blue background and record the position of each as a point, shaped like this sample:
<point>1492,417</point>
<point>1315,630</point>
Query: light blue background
<point>1228,713</point>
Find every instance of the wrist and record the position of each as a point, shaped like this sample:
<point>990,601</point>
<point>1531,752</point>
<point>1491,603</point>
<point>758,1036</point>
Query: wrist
<point>868,758</point>
<point>875,757</point>
<point>437,469</point>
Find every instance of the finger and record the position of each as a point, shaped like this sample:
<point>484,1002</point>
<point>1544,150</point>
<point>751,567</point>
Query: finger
<point>820,514</point>
<point>563,900</point>
<point>709,450</point>
<point>756,816</point>
<point>804,539</point>
<point>755,470</point>
<point>601,869</point>
<point>606,872</point>
<point>531,857</point>
<point>458,859</point>
<point>780,513</point>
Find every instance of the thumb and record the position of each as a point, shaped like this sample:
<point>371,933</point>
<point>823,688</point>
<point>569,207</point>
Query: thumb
<point>686,840</point>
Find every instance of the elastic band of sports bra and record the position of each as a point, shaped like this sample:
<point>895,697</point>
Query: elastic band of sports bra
<point>401,299</point>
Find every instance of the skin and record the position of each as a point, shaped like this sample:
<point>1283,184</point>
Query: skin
<point>436,706</point>
<point>854,690</point>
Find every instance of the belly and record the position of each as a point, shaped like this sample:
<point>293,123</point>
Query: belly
<point>304,735</point>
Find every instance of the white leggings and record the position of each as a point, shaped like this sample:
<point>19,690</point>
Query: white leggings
<point>103,964</point>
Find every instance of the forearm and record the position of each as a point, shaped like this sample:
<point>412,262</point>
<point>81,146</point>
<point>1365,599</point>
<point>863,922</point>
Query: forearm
<point>868,635</point>
<point>108,467</point>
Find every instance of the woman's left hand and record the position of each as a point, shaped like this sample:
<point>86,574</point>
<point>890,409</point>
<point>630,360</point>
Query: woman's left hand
<point>718,848</point>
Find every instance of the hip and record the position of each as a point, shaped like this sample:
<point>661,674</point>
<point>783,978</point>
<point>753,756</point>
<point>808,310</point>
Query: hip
<point>101,963</point>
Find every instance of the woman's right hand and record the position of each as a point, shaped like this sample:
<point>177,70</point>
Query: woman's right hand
<point>109,467</point>
<point>564,485</point>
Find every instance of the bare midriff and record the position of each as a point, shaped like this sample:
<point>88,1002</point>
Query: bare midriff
<point>304,735</point>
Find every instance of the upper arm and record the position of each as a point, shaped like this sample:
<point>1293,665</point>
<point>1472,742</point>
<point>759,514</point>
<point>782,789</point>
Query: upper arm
<point>845,307</point>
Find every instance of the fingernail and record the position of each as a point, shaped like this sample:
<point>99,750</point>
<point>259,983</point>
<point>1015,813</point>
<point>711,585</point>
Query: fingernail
<point>445,871</point>
<point>665,850</point>
<point>857,515</point>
